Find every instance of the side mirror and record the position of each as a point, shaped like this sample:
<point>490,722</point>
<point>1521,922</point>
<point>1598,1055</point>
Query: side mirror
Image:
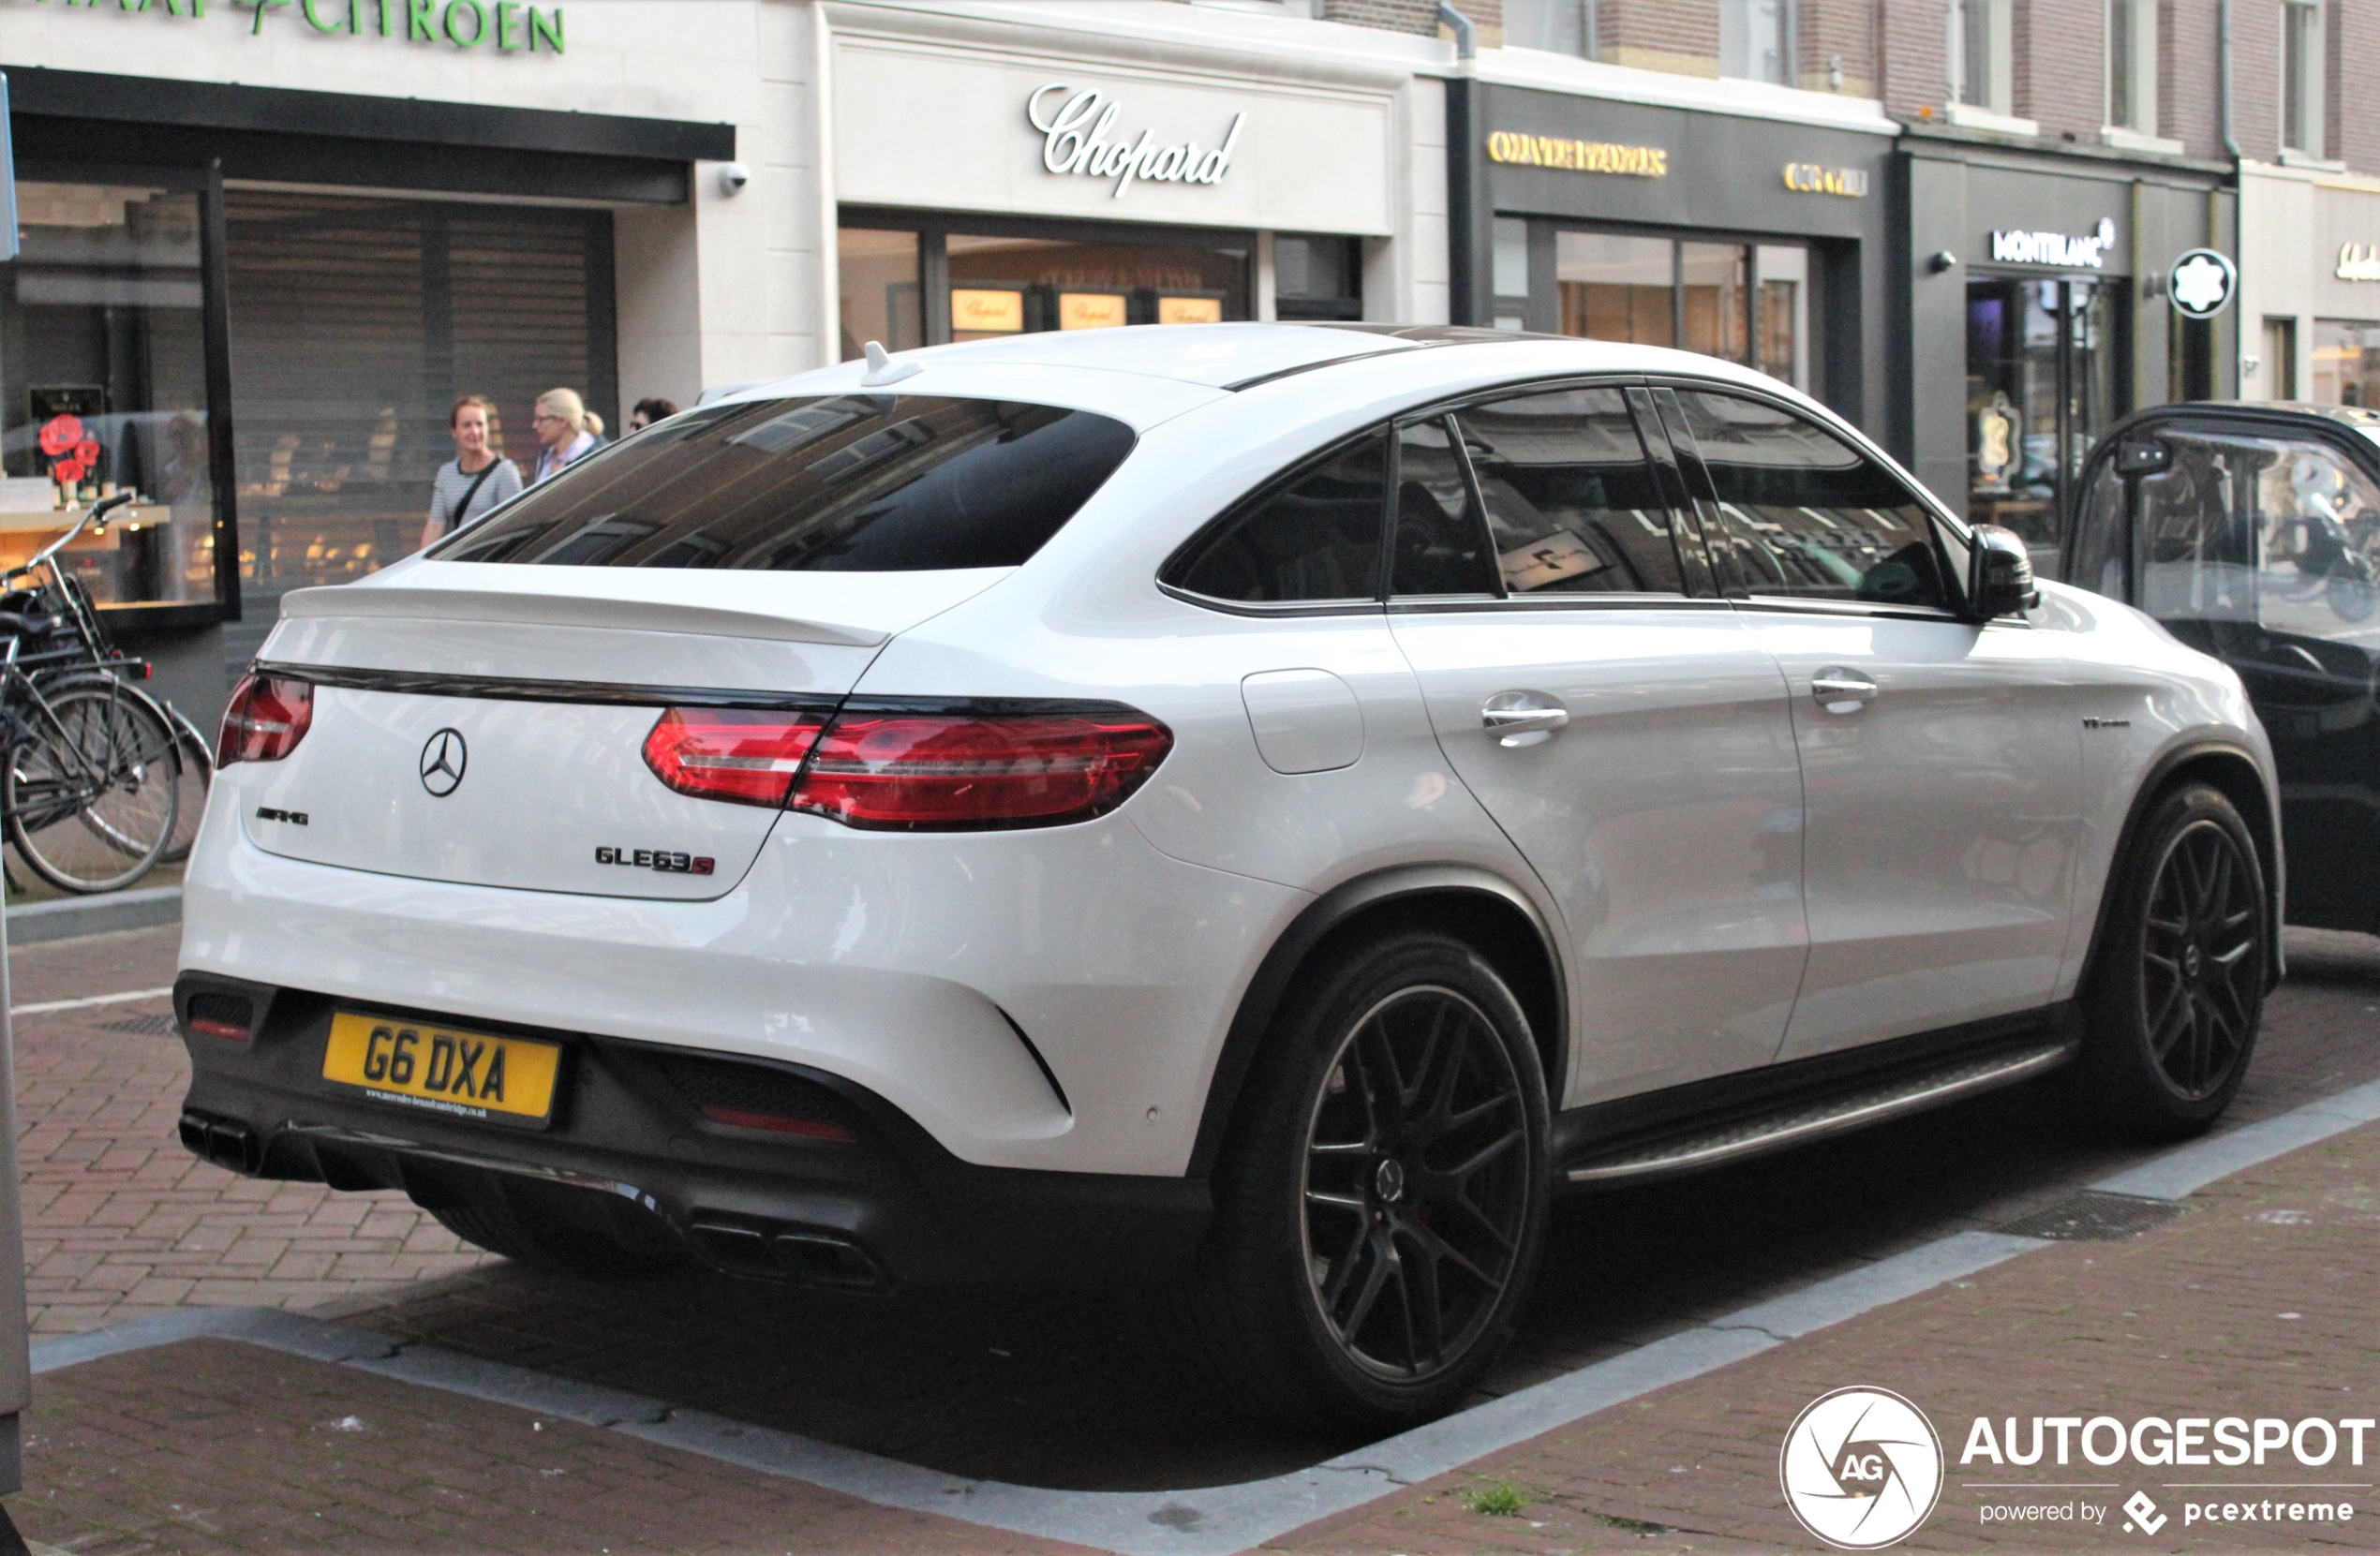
<point>2004,581</point>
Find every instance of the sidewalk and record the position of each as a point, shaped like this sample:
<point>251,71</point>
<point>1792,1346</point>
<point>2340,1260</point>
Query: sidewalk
<point>2258,1301</point>
<point>2255,1301</point>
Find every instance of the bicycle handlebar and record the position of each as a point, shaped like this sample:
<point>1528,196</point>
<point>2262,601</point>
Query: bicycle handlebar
<point>97,514</point>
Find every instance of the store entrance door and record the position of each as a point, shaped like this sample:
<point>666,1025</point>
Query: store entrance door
<point>2045,377</point>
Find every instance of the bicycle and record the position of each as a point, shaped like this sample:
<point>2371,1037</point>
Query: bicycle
<point>91,790</point>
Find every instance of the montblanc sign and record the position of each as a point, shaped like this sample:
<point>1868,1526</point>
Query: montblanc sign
<point>2086,252</point>
<point>1077,137</point>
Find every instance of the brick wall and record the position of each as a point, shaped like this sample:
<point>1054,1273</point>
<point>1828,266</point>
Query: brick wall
<point>2060,67</point>
<point>1829,30</point>
<point>1913,65</point>
<point>2354,64</point>
<point>2255,53</point>
<point>1680,36</point>
<point>1395,15</point>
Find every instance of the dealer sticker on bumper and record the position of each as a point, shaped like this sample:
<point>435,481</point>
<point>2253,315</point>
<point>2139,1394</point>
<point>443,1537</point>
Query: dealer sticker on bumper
<point>461,1074</point>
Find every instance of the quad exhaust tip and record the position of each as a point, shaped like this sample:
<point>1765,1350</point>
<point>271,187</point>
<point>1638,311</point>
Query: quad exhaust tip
<point>776,1252</point>
<point>226,1142</point>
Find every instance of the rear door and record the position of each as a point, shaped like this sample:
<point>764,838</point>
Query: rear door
<point>1630,738</point>
<point>1940,758</point>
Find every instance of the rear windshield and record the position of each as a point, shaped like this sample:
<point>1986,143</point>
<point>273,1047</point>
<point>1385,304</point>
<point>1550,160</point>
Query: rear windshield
<point>856,483</point>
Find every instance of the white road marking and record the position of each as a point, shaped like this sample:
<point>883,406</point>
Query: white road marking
<point>48,1005</point>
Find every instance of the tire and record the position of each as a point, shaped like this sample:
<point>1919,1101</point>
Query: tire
<point>1382,1195</point>
<point>2177,988</point>
<point>552,1227</point>
<point>92,797</point>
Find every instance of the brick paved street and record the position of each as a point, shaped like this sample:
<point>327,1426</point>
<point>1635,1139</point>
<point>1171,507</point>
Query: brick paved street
<point>1082,1389</point>
<point>120,1221</point>
<point>2256,1302</point>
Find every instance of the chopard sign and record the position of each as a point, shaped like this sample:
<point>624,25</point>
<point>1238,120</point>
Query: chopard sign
<point>2359,263</point>
<point>1074,140</point>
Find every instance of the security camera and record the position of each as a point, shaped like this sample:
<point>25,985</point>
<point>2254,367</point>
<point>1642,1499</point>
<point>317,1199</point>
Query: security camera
<point>733,176</point>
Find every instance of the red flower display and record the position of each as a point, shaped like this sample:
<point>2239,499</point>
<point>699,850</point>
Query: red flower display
<point>86,452</point>
<point>68,471</point>
<point>60,434</point>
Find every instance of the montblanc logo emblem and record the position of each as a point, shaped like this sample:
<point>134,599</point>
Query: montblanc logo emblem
<point>442,762</point>
<point>1861,1468</point>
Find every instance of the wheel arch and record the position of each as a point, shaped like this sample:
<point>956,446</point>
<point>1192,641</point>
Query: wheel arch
<point>1489,913</point>
<point>2232,770</point>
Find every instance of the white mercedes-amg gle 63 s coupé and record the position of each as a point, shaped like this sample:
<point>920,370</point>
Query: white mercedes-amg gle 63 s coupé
<point>1255,810</point>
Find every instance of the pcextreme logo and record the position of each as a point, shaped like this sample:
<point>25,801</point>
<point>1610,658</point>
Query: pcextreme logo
<point>1861,1468</point>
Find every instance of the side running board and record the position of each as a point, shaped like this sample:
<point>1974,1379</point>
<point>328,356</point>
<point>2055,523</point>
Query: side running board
<point>1814,1120</point>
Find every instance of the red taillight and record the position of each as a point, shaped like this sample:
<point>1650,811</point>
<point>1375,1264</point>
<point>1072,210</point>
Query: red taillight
<point>209,1027</point>
<point>730,754</point>
<point>269,715</point>
<point>809,1129</point>
<point>936,772</point>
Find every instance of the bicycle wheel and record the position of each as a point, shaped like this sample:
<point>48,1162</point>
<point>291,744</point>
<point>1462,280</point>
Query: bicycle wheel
<point>91,797</point>
<point>197,776</point>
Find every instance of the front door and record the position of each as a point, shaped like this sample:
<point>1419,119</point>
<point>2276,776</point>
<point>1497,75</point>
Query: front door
<point>1941,758</point>
<point>1632,740</point>
<point>2258,549</point>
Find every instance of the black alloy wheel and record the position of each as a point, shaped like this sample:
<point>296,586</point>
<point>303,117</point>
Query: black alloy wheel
<point>2200,967</point>
<point>2177,987</point>
<point>1382,1192</point>
<point>1417,1183</point>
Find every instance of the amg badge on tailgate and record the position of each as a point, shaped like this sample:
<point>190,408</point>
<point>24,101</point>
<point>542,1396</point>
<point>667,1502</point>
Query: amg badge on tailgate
<point>656,859</point>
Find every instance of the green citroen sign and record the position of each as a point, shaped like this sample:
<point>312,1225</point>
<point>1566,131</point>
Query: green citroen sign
<point>513,27</point>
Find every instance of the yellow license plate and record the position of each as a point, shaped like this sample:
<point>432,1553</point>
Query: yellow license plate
<point>460,1075</point>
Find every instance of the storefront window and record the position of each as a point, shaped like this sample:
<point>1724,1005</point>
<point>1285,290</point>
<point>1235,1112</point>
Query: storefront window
<point>880,296</point>
<point>103,388</point>
<point>356,325</point>
<point>1004,285</point>
<point>2043,381</point>
<point>2347,362</point>
<point>1317,278</point>
<point>1744,303</point>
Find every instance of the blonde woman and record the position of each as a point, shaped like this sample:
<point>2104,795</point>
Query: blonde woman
<point>475,480</point>
<point>563,435</point>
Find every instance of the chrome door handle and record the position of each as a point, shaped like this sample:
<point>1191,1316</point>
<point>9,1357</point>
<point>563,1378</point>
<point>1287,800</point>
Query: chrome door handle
<point>1522,717</point>
<point>1841,690</point>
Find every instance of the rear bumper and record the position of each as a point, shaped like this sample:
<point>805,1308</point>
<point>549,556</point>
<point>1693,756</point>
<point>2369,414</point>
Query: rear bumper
<point>890,1207</point>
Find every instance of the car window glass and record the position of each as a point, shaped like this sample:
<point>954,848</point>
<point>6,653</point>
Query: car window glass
<point>1802,515</point>
<point>2098,532</point>
<point>1316,537</point>
<point>2318,529</point>
<point>1571,507</point>
<point>2260,550</point>
<point>1441,544</point>
<point>853,483</point>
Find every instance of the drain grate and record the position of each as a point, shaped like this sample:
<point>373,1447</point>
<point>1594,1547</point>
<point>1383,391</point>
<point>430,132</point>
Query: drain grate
<point>2092,1216</point>
<point>140,1026</point>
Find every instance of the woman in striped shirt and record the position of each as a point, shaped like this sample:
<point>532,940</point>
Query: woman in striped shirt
<point>475,480</point>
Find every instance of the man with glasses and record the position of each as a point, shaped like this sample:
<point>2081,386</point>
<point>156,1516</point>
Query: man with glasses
<point>562,435</point>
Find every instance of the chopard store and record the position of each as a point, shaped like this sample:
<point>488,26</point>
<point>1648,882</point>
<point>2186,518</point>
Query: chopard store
<point>1756,236</point>
<point>2037,314</point>
<point>999,177</point>
<point>265,249</point>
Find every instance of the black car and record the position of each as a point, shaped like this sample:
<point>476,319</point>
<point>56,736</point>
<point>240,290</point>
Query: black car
<point>2252,532</point>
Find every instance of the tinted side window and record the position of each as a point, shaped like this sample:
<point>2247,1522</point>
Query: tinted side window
<point>1441,543</point>
<point>855,483</point>
<point>1571,505</point>
<point>1316,537</point>
<point>2100,532</point>
<point>1803,514</point>
<point>2266,531</point>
